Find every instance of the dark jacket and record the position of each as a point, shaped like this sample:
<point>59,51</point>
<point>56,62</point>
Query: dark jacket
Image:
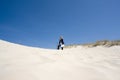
<point>61,41</point>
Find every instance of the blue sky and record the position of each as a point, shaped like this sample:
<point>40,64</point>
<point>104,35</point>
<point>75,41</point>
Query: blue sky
<point>39,23</point>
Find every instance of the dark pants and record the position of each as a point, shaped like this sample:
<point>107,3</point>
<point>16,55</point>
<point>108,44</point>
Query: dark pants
<point>59,46</point>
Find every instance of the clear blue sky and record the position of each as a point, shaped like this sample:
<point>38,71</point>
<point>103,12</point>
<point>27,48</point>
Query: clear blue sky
<point>40,22</point>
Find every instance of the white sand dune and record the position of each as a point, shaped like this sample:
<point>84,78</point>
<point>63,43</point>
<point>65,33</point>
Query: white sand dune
<point>19,62</point>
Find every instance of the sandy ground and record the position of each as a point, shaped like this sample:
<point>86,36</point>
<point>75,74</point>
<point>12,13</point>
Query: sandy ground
<point>19,62</point>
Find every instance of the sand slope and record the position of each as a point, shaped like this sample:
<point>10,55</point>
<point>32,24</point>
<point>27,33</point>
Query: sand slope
<point>19,62</point>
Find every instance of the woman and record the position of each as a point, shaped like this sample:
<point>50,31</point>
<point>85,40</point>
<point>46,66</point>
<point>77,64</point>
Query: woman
<point>61,43</point>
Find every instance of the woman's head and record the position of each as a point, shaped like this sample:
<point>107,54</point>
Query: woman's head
<point>61,37</point>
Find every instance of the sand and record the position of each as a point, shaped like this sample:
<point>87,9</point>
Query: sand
<point>18,62</point>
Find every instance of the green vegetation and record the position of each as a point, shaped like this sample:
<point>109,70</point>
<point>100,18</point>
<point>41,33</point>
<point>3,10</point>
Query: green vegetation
<point>105,43</point>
